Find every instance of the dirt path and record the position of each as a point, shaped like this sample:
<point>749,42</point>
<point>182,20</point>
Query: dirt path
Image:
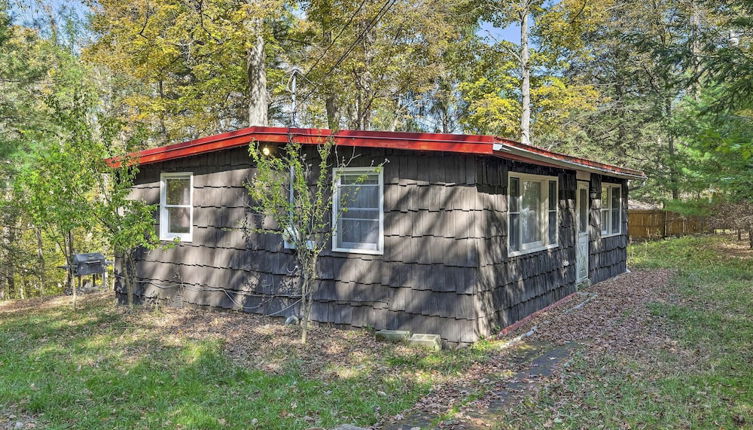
<point>611,316</point>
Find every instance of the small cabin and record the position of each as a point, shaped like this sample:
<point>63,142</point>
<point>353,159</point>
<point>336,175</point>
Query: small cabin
<point>456,235</point>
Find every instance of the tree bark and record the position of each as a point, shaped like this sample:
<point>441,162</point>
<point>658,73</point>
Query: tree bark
<point>40,258</point>
<point>127,277</point>
<point>68,251</point>
<point>695,48</point>
<point>750,237</point>
<point>330,104</point>
<point>256,73</point>
<point>525,72</point>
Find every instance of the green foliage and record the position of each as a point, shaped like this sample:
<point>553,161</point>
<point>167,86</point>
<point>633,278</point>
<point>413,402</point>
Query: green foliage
<point>296,194</point>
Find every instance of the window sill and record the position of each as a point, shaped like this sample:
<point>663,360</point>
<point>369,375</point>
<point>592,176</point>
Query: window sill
<point>532,250</point>
<point>180,239</point>
<point>605,236</point>
<point>358,251</point>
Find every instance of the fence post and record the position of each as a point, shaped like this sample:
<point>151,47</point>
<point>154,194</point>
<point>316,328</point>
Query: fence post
<point>664,224</point>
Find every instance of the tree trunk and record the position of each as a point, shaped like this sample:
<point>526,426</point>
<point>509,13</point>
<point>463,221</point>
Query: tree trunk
<point>305,314</point>
<point>330,104</point>
<point>673,185</point>
<point>68,251</point>
<point>256,73</point>
<point>750,237</point>
<point>75,293</point>
<point>127,277</point>
<point>739,235</point>
<point>40,258</point>
<point>695,49</point>
<point>307,294</point>
<point>525,72</point>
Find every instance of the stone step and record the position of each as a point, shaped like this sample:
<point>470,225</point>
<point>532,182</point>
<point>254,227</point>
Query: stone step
<point>393,335</point>
<point>429,341</point>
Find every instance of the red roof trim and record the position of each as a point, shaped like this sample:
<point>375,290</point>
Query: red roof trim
<point>459,143</point>
<point>571,159</point>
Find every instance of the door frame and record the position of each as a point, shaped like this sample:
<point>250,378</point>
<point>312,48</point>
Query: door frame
<point>582,185</point>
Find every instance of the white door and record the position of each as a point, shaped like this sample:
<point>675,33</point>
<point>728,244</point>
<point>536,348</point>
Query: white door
<point>582,211</point>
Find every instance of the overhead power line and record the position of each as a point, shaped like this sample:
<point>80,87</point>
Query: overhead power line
<point>334,40</point>
<point>379,15</point>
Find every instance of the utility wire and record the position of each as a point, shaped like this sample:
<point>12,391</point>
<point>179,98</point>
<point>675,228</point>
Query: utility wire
<point>379,15</point>
<point>332,43</point>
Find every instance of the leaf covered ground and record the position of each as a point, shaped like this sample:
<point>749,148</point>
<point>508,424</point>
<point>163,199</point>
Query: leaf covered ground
<point>669,345</point>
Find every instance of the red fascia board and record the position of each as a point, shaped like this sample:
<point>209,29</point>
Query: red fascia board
<point>570,158</point>
<point>393,140</point>
<point>458,143</point>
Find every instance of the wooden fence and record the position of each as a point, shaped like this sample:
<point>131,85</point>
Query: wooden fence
<point>657,224</point>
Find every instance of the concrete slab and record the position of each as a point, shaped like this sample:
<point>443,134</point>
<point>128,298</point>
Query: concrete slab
<point>429,341</point>
<point>393,335</point>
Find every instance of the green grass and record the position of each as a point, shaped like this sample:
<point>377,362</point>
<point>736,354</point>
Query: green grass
<point>93,369</point>
<point>706,382</point>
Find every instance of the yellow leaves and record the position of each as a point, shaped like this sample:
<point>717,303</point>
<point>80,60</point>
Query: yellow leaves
<point>563,25</point>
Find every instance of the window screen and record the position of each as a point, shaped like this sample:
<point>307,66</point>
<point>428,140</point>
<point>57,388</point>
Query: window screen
<point>358,210</point>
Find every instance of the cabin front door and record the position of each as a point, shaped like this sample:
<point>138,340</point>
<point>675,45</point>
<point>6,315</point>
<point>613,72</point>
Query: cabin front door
<point>582,211</point>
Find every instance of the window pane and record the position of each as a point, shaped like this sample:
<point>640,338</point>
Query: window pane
<point>583,210</point>
<point>358,234</point>
<point>514,232</point>
<point>604,198</point>
<point>359,179</point>
<point>605,221</point>
<point>531,212</point>
<point>359,196</point>
<point>552,195</point>
<point>178,191</point>
<point>514,194</point>
<point>370,214</point>
<point>178,220</point>
<point>616,220</point>
<point>552,227</point>
<point>615,198</point>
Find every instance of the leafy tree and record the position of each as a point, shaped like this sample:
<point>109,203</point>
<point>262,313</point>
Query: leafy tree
<point>521,89</point>
<point>198,67</point>
<point>296,192</point>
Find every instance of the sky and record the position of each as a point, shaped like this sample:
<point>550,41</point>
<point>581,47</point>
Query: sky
<point>511,33</point>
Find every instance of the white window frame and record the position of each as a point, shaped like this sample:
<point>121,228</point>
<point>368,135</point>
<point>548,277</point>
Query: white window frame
<point>336,174</point>
<point>164,234</point>
<point>606,229</point>
<point>544,207</point>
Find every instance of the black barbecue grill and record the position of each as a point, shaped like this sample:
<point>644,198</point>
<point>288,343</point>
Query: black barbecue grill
<point>93,263</point>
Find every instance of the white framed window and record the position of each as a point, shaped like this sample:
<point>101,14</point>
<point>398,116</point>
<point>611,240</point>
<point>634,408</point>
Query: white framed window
<point>611,210</point>
<point>533,216</point>
<point>176,206</point>
<point>357,210</point>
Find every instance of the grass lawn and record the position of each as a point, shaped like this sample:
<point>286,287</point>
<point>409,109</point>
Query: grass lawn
<point>702,378</point>
<point>101,368</point>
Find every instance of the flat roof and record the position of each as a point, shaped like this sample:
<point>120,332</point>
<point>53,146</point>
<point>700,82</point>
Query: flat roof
<point>459,143</point>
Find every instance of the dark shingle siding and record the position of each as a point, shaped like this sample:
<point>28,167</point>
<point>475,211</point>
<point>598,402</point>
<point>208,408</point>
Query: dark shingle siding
<point>608,256</point>
<point>425,280</point>
<point>444,270</point>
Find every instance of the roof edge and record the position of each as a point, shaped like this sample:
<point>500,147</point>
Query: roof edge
<point>443,142</point>
<point>506,146</point>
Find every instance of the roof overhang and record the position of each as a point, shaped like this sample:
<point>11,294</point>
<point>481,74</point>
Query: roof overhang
<point>520,151</point>
<point>453,143</point>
